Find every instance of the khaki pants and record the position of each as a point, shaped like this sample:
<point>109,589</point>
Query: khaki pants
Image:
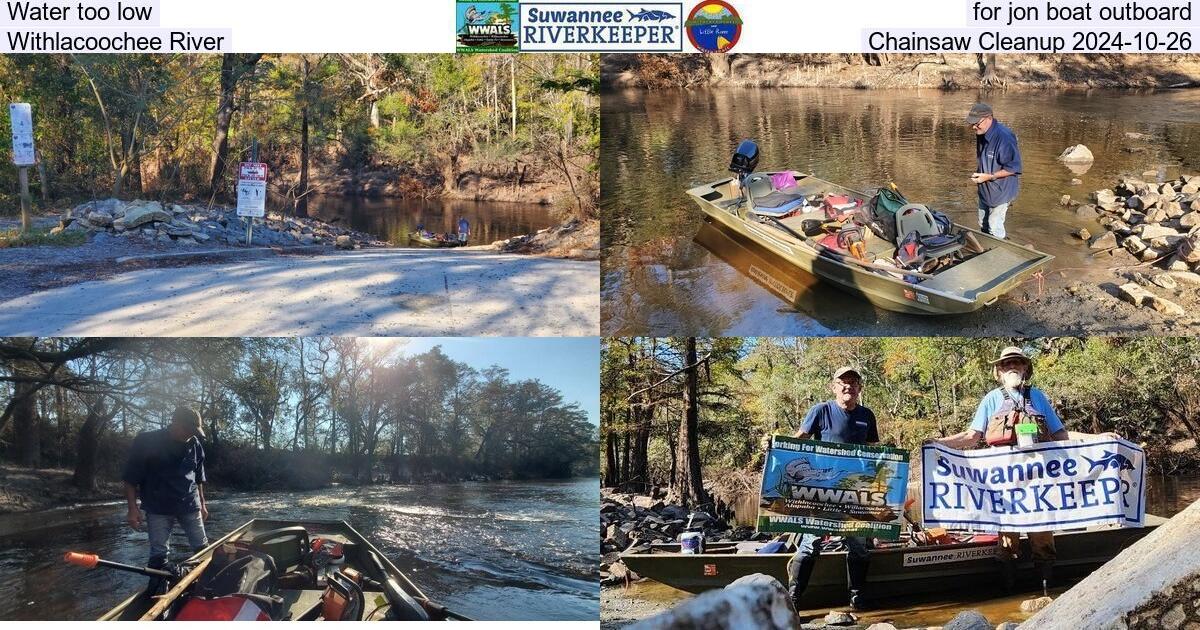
<point>1041,542</point>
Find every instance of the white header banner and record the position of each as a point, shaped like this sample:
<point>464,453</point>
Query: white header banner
<point>739,26</point>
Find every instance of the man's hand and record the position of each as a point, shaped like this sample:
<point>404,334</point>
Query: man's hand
<point>203,513</point>
<point>134,518</point>
<point>980,178</point>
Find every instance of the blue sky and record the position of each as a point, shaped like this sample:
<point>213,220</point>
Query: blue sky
<point>571,364</point>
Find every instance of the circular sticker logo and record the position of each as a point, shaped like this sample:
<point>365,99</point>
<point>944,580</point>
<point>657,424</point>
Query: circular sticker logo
<point>713,26</point>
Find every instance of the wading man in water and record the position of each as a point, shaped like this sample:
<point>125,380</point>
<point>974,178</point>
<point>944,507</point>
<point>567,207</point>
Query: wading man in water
<point>998,168</point>
<point>166,471</point>
<point>839,420</point>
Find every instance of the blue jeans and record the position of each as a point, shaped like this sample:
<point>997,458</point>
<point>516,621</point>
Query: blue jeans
<point>991,220</point>
<point>159,527</point>
<point>800,567</point>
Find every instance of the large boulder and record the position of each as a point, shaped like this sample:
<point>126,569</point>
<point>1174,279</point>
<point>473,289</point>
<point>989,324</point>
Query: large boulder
<point>344,242</point>
<point>1076,154</point>
<point>1107,240</point>
<point>1104,197</point>
<point>1152,584</point>
<point>752,601</point>
<point>100,219</point>
<point>1153,231</point>
<point>968,620</point>
<point>141,214</point>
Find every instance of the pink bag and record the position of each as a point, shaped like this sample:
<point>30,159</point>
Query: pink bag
<point>781,181</point>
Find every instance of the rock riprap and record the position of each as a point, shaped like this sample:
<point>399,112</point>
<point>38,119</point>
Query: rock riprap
<point>192,224</point>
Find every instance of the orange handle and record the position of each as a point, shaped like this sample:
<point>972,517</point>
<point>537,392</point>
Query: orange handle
<point>87,560</point>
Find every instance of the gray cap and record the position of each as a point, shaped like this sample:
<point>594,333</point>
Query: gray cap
<point>842,371</point>
<point>978,112</point>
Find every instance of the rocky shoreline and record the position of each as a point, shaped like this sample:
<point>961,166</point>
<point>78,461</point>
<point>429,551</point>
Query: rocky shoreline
<point>1159,225</point>
<point>191,225</point>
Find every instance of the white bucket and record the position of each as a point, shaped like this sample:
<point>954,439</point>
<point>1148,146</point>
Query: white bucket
<point>691,542</point>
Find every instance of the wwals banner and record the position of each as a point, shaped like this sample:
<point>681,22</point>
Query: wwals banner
<point>1049,486</point>
<point>824,487</point>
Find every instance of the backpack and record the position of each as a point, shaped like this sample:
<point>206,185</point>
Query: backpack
<point>910,253</point>
<point>880,214</point>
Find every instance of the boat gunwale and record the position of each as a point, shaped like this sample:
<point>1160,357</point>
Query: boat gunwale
<point>1034,259</point>
<point>388,565</point>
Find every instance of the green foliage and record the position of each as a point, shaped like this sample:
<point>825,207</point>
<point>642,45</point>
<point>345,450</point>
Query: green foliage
<point>145,124</point>
<point>1146,389</point>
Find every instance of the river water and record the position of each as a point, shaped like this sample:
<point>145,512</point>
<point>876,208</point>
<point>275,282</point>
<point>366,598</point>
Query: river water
<point>658,280</point>
<point>499,550</point>
<point>1166,496</point>
<point>393,220</point>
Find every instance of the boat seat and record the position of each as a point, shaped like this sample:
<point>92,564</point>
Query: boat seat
<point>291,549</point>
<point>915,217</point>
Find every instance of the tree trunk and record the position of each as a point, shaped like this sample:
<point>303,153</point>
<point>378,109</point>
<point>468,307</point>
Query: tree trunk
<point>720,65</point>
<point>88,445</point>
<point>625,458</point>
<point>302,187</point>
<point>987,64</point>
<point>610,460</point>
<point>690,484</point>
<point>26,425</point>
<point>513,93</point>
<point>233,67</point>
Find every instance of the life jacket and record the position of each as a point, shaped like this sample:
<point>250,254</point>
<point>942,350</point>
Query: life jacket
<point>229,608</point>
<point>910,254</point>
<point>1002,426</point>
<point>239,583</point>
<point>840,207</point>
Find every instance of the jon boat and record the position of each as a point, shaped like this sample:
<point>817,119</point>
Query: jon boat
<point>746,205</point>
<point>387,594</point>
<point>896,570</point>
<point>425,241</point>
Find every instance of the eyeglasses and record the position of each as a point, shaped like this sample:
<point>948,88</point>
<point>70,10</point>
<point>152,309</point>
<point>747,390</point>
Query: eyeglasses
<point>848,384</point>
<point>976,125</point>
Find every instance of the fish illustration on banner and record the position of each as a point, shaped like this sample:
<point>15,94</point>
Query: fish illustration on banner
<point>830,488</point>
<point>1055,485</point>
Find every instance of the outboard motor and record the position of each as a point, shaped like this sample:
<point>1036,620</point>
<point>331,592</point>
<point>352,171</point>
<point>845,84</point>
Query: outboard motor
<point>745,159</point>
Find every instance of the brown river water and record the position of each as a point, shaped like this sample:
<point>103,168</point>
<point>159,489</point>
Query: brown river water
<point>1165,496</point>
<point>393,219</point>
<point>658,279</point>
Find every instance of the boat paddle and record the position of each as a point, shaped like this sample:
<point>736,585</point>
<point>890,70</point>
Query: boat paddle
<point>91,561</point>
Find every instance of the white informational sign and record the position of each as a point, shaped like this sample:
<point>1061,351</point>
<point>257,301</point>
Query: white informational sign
<point>1056,485</point>
<point>252,189</point>
<point>22,134</point>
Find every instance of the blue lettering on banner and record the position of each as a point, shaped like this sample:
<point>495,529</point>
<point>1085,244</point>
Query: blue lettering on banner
<point>601,27</point>
<point>1037,488</point>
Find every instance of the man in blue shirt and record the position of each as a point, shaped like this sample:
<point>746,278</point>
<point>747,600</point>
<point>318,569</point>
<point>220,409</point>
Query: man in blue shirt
<point>165,470</point>
<point>998,168</point>
<point>839,420</point>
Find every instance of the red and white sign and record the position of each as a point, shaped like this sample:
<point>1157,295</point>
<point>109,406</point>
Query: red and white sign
<point>252,189</point>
